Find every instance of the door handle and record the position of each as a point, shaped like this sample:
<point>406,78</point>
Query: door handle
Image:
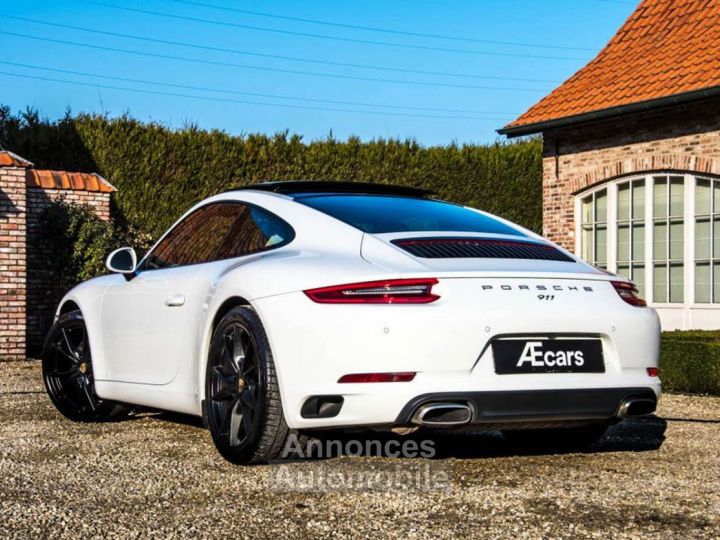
<point>176,300</point>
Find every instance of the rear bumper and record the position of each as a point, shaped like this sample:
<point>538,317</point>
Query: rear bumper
<point>448,344</point>
<point>526,406</point>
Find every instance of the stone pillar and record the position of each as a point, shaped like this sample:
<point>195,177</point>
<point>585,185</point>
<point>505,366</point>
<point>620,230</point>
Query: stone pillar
<point>13,256</point>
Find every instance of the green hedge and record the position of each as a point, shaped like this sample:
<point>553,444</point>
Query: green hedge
<point>160,172</point>
<point>690,361</point>
<point>74,244</point>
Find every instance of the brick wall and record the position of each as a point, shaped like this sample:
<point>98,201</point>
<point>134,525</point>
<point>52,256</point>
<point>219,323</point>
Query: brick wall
<point>12,263</point>
<point>42,298</point>
<point>27,296</point>
<point>684,138</point>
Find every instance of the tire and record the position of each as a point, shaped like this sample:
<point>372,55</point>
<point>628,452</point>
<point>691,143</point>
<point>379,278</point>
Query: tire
<point>68,374</point>
<point>561,439</point>
<point>243,408</point>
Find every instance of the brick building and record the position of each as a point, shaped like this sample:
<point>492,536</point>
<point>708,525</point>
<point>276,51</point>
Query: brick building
<point>25,310</point>
<point>631,158</point>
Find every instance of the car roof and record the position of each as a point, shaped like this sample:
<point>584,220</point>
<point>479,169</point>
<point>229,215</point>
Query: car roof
<point>304,188</point>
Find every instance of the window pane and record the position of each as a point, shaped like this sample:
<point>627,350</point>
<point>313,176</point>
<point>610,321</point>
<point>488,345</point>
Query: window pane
<point>587,216</point>
<point>195,239</point>
<point>601,245</point>
<point>677,195</point>
<point>716,282</point>
<point>219,231</point>
<point>716,237</point>
<point>376,214</point>
<point>623,240</point>
<point>623,196</point>
<point>660,242</point>
<point>601,206</point>
<point>638,241</point>
<point>638,276</point>
<point>676,240</point>
<point>702,239</point>
<point>659,283</point>
<point>587,243</point>
<point>702,282</point>
<point>638,200</point>
<point>624,270</point>
<point>255,230</point>
<point>660,197</point>
<point>676,283</point>
<point>716,197</point>
<point>702,197</point>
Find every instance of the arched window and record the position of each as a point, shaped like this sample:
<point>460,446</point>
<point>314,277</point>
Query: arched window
<point>661,230</point>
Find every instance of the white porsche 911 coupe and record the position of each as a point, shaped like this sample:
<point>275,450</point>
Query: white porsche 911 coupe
<point>293,306</point>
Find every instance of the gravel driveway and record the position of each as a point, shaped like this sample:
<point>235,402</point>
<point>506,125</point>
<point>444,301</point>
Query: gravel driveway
<point>157,475</point>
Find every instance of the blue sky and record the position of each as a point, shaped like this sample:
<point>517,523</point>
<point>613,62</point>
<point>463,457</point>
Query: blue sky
<point>432,89</point>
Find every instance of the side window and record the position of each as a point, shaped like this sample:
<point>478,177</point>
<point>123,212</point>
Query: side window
<point>255,230</point>
<point>196,238</point>
<point>219,231</point>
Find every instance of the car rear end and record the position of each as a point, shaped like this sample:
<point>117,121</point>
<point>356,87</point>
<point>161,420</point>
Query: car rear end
<point>483,343</point>
<point>494,327</point>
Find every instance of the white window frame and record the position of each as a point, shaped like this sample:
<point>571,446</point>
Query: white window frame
<point>595,225</point>
<point>714,258</point>
<point>688,232</point>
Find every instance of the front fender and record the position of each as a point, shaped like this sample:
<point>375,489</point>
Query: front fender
<point>88,297</point>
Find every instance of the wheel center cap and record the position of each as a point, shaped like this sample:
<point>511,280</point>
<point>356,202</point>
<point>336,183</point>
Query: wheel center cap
<point>83,367</point>
<point>240,384</point>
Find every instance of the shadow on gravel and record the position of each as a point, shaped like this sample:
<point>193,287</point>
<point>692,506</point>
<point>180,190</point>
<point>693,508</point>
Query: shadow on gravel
<point>632,435</point>
<point>180,419</point>
<point>693,420</point>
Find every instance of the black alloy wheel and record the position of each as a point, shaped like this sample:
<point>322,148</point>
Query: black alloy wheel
<point>242,406</point>
<point>68,372</point>
<point>235,385</point>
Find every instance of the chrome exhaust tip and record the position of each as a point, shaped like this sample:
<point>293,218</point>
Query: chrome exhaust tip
<point>443,415</point>
<point>636,407</point>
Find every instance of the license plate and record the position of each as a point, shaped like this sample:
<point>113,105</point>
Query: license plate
<point>548,356</point>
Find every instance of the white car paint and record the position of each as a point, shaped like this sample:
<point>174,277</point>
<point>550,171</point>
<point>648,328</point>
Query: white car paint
<point>149,353</point>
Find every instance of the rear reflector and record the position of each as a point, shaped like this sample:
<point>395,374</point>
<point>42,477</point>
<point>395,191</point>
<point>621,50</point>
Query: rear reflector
<point>392,291</point>
<point>653,372</point>
<point>405,376</point>
<point>628,292</point>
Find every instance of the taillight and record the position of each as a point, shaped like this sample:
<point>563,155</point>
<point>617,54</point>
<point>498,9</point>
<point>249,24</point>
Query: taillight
<point>629,292</point>
<point>653,372</point>
<point>391,291</point>
<point>404,376</point>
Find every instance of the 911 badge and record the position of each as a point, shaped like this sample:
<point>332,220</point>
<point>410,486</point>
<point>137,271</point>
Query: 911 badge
<point>548,356</point>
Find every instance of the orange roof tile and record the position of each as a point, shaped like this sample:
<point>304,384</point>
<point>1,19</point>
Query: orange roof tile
<point>65,180</point>
<point>8,159</point>
<point>665,48</point>
<point>56,179</point>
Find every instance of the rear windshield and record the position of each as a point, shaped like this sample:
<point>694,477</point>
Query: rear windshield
<point>387,214</point>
